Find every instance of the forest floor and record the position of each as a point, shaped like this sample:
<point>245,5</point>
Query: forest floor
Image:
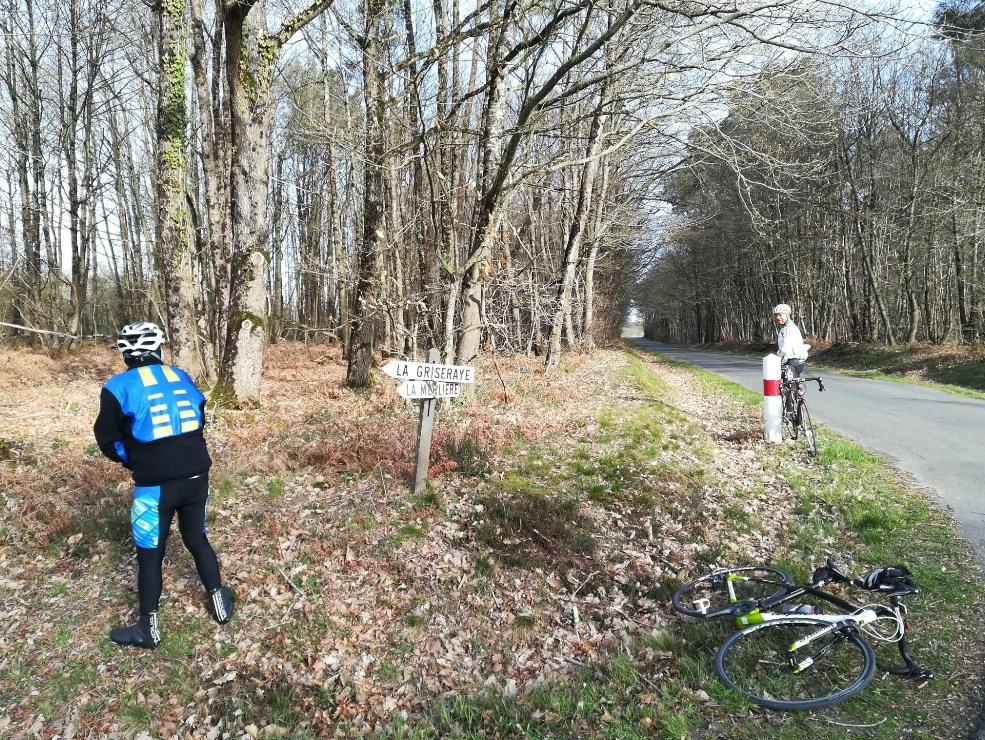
<point>953,367</point>
<point>526,593</point>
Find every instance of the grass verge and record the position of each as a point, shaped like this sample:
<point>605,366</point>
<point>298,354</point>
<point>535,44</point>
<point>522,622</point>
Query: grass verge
<point>524,595</point>
<point>847,504</point>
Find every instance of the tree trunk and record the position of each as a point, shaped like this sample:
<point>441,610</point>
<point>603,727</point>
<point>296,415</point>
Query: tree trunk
<point>959,274</point>
<point>78,152</point>
<point>366,317</point>
<point>589,321</point>
<point>249,67</point>
<point>213,145</point>
<point>573,248</point>
<point>492,178</point>
<point>277,250</point>
<point>22,88</point>
<point>173,219</point>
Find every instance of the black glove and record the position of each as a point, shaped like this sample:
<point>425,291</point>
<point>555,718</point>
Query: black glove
<point>885,579</point>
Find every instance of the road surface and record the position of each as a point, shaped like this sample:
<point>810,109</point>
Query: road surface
<point>935,436</point>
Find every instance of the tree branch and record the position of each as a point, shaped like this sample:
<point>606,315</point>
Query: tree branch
<point>293,25</point>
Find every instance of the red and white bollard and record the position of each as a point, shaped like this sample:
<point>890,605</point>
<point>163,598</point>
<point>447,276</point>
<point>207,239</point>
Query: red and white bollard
<point>772,408</point>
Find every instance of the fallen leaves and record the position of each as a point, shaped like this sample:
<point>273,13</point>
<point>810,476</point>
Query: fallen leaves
<point>355,602</point>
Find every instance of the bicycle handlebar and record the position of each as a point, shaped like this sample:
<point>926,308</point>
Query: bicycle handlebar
<point>898,582</point>
<point>789,382</point>
<point>814,379</point>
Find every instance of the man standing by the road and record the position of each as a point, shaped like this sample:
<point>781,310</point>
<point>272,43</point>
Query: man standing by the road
<point>789,340</point>
<point>151,420</point>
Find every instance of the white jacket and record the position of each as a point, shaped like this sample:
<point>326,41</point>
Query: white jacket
<point>791,342</point>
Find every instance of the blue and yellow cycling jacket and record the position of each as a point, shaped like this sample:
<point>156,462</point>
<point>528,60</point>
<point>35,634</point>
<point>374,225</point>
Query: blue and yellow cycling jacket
<point>151,419</point>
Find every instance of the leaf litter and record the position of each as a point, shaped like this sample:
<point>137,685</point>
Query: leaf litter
<point>357,602</point>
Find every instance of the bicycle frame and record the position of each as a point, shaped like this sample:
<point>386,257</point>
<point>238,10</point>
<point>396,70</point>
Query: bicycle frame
<point>795,418</point>
<point>793,389</point>
<point>758,610</point>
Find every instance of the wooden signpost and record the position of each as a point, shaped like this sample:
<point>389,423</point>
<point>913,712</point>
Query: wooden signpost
<point>426,382</point>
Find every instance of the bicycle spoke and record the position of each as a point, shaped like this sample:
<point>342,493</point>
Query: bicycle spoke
<point>760,664</point>
<point>718,590</point>
<point>807,426</point>
<point>784,416</point>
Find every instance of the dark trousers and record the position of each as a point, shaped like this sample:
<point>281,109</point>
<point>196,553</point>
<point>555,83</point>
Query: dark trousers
<point>154,508</point>
<point>796,367</point>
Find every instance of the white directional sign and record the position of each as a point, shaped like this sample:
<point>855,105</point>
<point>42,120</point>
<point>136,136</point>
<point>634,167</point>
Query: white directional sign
<point>413,389</point>
<point>403,370</point>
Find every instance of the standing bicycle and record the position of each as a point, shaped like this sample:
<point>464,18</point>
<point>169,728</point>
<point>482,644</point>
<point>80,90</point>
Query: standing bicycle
<point>796,419</point>
<point>793,356</point>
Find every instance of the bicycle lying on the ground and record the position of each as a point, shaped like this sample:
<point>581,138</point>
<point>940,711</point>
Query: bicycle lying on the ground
<point>796,418</point>
<point>802,657</point>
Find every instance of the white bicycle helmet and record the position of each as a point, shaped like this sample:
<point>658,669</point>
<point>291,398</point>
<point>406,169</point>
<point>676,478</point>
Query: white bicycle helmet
<point>782,308</point>
<point>139,339</point>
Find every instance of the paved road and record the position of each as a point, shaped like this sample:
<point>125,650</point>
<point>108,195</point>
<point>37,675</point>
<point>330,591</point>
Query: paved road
<point>935,436</point>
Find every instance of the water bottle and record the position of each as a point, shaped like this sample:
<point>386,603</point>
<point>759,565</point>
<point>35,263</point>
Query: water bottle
<point>801,609</point>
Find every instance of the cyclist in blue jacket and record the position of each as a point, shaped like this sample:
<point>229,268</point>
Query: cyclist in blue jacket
<point>151,420</point>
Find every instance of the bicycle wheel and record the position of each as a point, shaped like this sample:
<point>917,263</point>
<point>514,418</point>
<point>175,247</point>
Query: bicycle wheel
<point>760,662</point>
<point>807,427</point>
<point>788,424</point>
<point>715,591</point>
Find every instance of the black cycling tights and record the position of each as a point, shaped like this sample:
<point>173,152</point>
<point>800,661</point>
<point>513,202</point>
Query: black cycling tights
<point>188,498</point>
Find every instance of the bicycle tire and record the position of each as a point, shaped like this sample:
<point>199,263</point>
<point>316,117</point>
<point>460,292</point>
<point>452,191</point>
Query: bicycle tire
<point>763,581</point>
<point>757,663</point>
<point>788,423</point>
<point>807,427</point>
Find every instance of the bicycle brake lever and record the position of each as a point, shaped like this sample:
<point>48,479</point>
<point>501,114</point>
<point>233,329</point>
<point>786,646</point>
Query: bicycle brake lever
<point>820,385</point>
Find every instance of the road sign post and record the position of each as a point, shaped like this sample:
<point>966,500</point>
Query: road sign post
<point>427,382</point>
<point>425,427</point>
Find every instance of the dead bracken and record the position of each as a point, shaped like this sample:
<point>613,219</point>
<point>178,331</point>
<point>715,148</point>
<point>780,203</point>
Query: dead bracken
<point>547,541</point>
